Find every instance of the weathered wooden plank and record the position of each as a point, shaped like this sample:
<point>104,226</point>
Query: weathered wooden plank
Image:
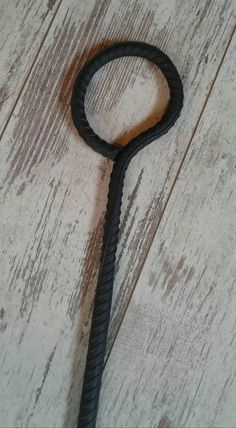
<point>173,362</point>
<point>23,26</point>
<point>54,187</point>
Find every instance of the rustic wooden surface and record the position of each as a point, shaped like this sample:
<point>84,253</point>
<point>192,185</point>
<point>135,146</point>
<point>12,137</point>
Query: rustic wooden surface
<point>173,362</point>
<point>53,190</point>
<point>23,27</point>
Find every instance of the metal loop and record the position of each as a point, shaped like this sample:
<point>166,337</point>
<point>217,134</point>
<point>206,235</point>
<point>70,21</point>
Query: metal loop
<point>135,49</point>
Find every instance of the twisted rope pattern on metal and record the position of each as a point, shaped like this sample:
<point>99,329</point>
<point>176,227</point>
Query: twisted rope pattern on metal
<point>122,158</point>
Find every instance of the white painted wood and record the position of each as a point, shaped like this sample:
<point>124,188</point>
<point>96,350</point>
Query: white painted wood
<point>23,25</point>
<point>173,362</point>
<point>53,189</point>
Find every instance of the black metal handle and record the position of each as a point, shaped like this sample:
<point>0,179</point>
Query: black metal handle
<point>122,157</point>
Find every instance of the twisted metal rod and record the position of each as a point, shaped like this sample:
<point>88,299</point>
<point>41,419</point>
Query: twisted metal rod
<point>121,157</point>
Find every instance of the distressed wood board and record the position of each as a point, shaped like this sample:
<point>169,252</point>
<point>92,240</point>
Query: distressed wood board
<point>53,193</point>
<point>23,26</point>
<point>173,362</point>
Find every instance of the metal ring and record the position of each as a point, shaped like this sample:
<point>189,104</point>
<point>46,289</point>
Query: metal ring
<point>135,49</point>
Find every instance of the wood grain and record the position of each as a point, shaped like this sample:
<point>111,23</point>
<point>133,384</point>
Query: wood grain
<point>53,193</point>
<point>173,362</point>
<point>23,26</point>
